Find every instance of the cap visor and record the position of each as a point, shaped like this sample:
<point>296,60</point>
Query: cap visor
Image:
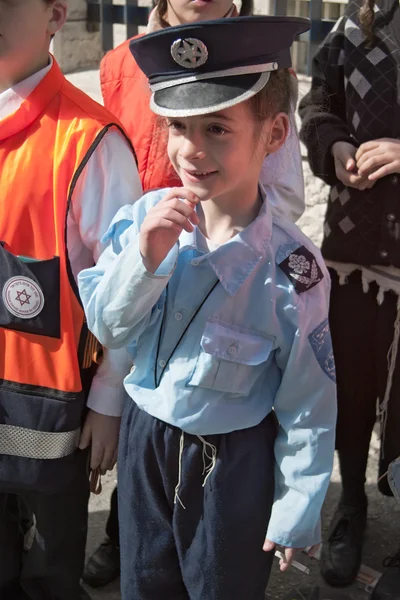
<point>204,97</point>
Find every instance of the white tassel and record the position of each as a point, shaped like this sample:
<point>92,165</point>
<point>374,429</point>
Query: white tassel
<point>178,485</point>
<point>208,468</point>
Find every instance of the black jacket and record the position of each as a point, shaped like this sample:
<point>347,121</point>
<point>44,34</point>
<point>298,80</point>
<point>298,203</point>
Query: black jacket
<point>355,97</point>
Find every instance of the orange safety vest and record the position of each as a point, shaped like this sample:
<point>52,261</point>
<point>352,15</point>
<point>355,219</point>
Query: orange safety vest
<point>45,350</point>
<point>126,95</point>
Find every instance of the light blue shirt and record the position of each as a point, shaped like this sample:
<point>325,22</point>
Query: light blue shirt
<point>255,344</point>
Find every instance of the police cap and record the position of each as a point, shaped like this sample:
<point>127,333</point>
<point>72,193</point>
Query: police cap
<point>204,67</point>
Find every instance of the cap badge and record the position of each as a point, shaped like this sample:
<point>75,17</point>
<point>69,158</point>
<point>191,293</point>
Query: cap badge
<point>189,53</point>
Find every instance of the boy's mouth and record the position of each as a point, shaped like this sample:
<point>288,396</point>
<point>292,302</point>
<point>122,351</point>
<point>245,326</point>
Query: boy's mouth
<point>199,175</point>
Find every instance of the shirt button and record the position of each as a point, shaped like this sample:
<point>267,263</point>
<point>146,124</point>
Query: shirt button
<point>195,262</point>
<point>232,349</point>
<point>178,316</point>
<point>395,180</point>
<point>383,253</point>
<point>162,363</point>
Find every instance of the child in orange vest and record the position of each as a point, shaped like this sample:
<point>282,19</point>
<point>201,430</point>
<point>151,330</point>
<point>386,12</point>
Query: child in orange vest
<point>66,168</point>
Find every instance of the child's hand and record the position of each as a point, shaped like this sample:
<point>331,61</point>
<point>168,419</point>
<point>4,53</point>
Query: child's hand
<point>101,432</point>
<point>378,158</point>
<point>284,563</point>
<point>344,155</point>
<point>164,224</point>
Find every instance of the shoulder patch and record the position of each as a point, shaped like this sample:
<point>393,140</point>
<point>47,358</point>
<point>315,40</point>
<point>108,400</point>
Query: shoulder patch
<point>321,343</point>
<point>302,269</point>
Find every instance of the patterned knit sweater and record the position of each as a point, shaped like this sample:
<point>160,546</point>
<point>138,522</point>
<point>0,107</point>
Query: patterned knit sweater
<point>355,97</point>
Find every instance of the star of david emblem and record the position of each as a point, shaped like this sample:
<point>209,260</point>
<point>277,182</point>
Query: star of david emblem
<point>23,297</point>
<point>189,53</point>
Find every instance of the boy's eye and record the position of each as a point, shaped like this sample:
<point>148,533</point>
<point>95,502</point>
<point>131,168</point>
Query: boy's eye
<point>217,129</point>
<point>176,126</point>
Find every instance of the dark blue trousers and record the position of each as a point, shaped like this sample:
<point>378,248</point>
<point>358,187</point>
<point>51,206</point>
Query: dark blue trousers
<point>193,541</point>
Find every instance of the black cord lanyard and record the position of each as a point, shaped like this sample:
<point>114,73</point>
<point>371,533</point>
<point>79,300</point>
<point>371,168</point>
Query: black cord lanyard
<point>156,384</point>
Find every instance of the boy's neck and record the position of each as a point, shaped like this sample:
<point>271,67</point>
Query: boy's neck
<point>223,218</point>
<point>10,80</point>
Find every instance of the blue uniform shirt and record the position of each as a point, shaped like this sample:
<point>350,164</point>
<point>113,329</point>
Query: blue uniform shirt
<point>221,338</point>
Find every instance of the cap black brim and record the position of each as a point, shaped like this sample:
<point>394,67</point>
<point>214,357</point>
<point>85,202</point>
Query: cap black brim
<point>204,97</point>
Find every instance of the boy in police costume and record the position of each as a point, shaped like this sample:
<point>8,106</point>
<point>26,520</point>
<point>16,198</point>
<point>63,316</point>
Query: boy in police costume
<point>65,169</point>
<point>224,307</point>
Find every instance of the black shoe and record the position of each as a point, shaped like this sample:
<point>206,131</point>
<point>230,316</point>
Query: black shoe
<point>388,586</point>
<point>83,595</point>
<point>103,566</point>
<point>341,554</point>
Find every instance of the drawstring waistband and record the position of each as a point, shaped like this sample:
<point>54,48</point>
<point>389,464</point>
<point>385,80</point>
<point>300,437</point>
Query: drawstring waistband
<point>209,454</point>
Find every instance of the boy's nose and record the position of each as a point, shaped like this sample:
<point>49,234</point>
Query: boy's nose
<point>191,150</point>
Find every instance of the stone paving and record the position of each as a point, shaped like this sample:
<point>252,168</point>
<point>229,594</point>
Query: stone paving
<point>383,531</point>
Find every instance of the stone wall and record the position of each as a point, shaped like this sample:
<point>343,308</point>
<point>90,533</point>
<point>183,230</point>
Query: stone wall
<point>75,47</point>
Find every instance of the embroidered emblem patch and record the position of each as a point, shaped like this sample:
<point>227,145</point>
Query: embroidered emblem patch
<point>302,269</point>
<point>23,297</point>
<point>321,343</point>
<point>189,53</point>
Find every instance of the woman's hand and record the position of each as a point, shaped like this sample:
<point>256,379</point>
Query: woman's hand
<point>378,158</point>
<point>288,553</point>
<point>164,224</point>
<point>344,155</point>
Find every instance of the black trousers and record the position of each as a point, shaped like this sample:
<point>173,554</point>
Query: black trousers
<point>51,569</point>
<point>112,526</point>
<point>207,545</point>
<point>362,333</point>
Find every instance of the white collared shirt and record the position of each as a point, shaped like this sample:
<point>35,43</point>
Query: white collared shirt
<point>109,180</point>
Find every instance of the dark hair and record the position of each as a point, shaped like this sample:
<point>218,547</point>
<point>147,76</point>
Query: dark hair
<point>246,9</point>
<point>366,17</point>
<point>275,97</point>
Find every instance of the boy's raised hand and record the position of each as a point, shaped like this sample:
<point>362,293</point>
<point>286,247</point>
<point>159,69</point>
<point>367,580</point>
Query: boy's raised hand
<point>164,224</point>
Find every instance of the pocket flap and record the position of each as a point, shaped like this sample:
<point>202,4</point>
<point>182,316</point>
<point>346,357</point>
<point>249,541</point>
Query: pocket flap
<point>235,344</point>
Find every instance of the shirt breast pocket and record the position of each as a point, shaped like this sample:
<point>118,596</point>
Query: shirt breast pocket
<point>231,358</point>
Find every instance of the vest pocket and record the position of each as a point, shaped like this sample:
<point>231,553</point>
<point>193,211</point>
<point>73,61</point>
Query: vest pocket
<point>30,294</point>
<point>231,358</point>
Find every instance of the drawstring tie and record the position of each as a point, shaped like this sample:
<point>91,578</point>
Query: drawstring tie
<point>178,485</point>
<point>212,458</point>
<point>209,462</point>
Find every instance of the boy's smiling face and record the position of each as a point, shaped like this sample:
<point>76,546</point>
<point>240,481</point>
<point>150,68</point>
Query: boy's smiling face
<point>26,27</point>
<point>221,153</point>
<point>214,153</point>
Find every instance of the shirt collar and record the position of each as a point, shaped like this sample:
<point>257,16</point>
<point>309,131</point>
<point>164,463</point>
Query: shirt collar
<point>12,99</point>
<point>234,261</point>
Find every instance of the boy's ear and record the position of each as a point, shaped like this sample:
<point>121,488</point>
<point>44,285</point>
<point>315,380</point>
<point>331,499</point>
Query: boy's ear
<point>58,16</point>
<point>277,133</point>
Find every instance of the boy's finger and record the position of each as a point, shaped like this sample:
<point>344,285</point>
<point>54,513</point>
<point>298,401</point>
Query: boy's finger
<point>86,437</point>
<point>107,461</point>
<point>182,194</point>
<point>96,456</point>
<point>289,555</point>
<point>268,546</point>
